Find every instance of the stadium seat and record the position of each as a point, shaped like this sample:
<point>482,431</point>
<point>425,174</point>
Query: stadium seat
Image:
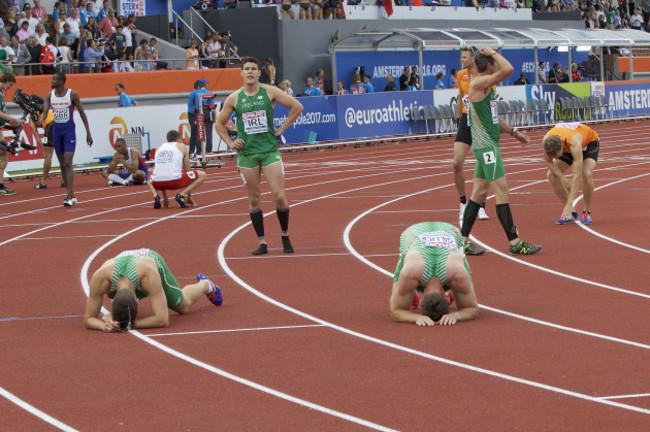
<point>449,117</point>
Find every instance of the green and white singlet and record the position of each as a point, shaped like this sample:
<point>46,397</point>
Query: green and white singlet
<point>485,138</point>
<point>255,122</point>
<point>434,241</point>
<point>124,266</point>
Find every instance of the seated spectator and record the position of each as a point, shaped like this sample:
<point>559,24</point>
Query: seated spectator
<point>122,64</point>
<point>319,80</point>
<point>145,62</point>
<point>285,86</point>
<point>22,55</point>
<point>107,25</point>
<point>636,20</point>
<point>414,79</point>
<point>9,55</point>
<point>367,86</point>
<point>155,56</point>
<point>439,84</point>
<point>310,89</point>
<point>73,39</point>
<point>132,161</point>
<point>390,84</point>
<point>413,83</point>
<point>172,171</point>
<point>453,81</point>
<point>143,46</point>
<point>192,56</point>
<point>564,76</point>
<point>341,88</point>
<point>9,20</point>
<point>92,27</point>
<point>357,88</point>
<point>58,25</point>
<point>65,57</point>
<point>522,79</point>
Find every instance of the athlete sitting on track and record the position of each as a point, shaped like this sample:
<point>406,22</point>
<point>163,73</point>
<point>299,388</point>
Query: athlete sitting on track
<point>577,145</point>
<point>136,274</point>
<point>172,170</point>
<point>432,262</point>
<point>132,160</point>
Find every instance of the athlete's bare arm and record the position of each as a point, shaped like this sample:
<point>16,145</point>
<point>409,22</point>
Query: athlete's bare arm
<point>576,152</point>
<point>223,117</point>
<point>46,108</point>
<point>463,290</point>
<point>151,283</point>
<point>100,283</point>
<point>479,86</point>
<point>295,107</point>
<point>74,97</point>
<point>505,128</point>
<point>404,290</point>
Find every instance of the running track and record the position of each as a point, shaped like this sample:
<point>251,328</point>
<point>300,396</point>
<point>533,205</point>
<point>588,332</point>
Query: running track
<point>305,341</point>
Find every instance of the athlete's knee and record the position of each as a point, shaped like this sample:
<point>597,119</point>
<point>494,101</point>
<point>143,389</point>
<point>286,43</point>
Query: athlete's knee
<point>588,175</point>
<point>549,175</point>
<point>254,200</point>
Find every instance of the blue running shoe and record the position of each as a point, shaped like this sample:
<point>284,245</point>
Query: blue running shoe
<point>180,199</point>
<point>156,202</point>
<point>214,294</point>
<point>574,218</point>
<point>586,218</point>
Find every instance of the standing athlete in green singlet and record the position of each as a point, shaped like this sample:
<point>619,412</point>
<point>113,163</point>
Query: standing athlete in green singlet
<point>492,69</point>
<point>136,274</point>
<point>432,262</point>
<point>257,145</point>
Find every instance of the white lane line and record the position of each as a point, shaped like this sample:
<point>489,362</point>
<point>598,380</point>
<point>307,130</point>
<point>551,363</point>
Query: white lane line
<point>235,330</point>
<point>640,395</point>
<point>35,411</point>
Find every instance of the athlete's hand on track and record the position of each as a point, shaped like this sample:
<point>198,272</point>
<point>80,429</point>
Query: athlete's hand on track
<point>448,319</point>
<point>424,321</point>
<point>109,324</point>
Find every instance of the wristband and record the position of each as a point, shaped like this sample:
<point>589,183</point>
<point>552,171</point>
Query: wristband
<point>513,131</point>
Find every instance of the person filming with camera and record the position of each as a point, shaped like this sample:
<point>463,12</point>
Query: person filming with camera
<point>7,80</point>
<point>94,54</point>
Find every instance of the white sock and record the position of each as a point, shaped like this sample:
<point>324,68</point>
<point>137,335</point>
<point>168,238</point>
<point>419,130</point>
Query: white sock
<point>117,179</point>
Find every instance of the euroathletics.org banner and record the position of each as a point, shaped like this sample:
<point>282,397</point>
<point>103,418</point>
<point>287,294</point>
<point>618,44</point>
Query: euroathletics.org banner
<point>328,118</point>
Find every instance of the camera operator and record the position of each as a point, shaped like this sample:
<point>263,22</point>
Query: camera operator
<point>6,82</point>
<point>94,54</point>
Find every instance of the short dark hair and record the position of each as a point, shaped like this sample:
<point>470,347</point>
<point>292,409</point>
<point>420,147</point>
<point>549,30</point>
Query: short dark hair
<point>470,49</point>
<point>7,77</point>
<point>250,60</point>
<point>435,306</point>
<point>120,140</point>
<point>120,85</point>
<point>196,84</point>
<point>552,145</point>
<point>61,76</point>
<point>173,135</point>
<point>125,309</point>
<point>482,62</point>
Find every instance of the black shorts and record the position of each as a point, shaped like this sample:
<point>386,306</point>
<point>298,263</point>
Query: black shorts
<point>304,5</point>
<point>464,134</point>
<point>590,152</point>
<point>286,6</point>
<point>47,135</point>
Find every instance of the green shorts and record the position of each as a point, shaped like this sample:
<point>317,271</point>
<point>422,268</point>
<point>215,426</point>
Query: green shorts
<point>258,160</point>
<point>489,165</point>
<point>171,288</point>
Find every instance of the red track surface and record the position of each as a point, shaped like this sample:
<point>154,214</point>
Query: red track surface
<point>561,335</point>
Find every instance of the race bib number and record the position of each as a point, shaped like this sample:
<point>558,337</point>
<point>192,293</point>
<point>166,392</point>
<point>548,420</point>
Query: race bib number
<point>255,122</point>
<point>61,115</point>
<point>495,112</point>
<point>135,252</point>
<point>437,239</point>
<point>466,104</point>
<point>572,126</point>
<point>488,157</point>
